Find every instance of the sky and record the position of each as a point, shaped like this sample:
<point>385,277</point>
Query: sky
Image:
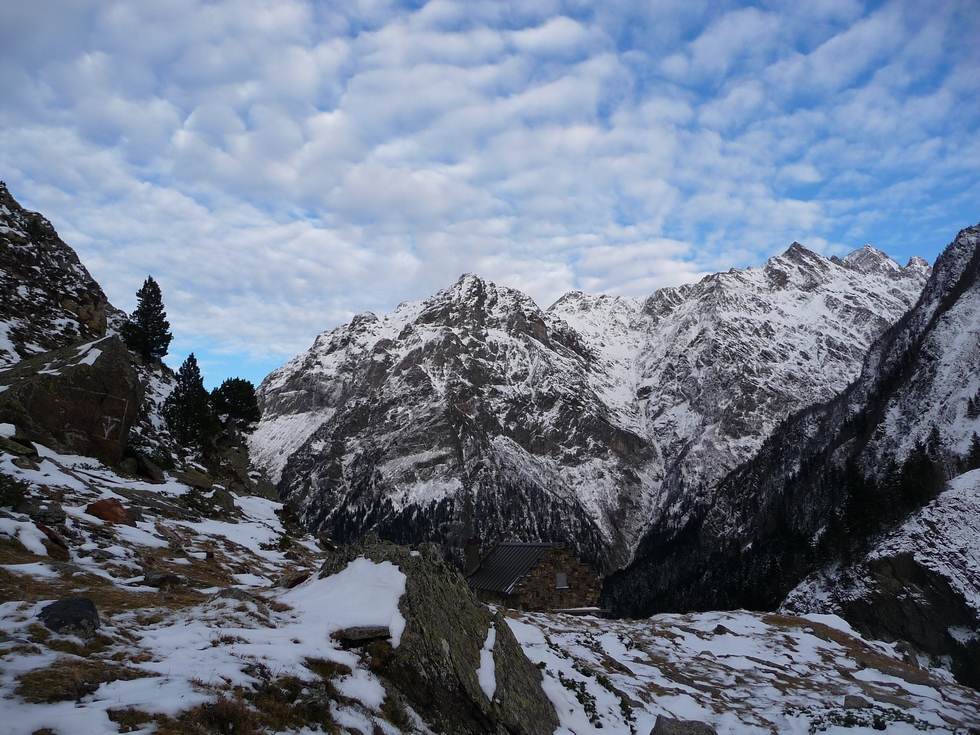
<point>279,166</point>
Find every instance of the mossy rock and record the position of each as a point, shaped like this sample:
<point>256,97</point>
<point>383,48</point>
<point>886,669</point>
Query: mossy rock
<point>435,665</point>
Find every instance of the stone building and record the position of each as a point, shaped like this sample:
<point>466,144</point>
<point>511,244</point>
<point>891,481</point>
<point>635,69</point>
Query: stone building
<point>534,576</point>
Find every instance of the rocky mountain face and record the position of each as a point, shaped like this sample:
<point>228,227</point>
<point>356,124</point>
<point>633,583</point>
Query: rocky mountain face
<point>47,298</point>
<point>838,475</point>
<point>475,412</point>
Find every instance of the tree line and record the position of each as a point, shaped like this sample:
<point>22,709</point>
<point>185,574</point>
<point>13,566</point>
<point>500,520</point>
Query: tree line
<point>194,416</point>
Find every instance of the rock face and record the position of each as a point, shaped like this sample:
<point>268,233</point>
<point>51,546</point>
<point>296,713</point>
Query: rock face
<point>670,726</point>
<point>436,663</point>
<point>47,298</point>
<point>477,413</point>
<point>835,479</point>
<point>81,399</point>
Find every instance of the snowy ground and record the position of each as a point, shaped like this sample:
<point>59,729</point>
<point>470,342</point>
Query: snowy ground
<point>227,634</point>
<point>741,672</point>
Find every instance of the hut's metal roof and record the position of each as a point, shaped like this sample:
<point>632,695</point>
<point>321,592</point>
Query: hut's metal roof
<point>505,565</point>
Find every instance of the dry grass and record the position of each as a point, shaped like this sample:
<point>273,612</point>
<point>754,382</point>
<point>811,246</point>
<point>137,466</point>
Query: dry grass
<point>129,720</point>
<point>327,670</point>
<point>71,679</point>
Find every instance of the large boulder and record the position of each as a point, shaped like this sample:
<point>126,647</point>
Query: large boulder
<point>435,664</point>
<point>73,616</point>
<point>80,399</point>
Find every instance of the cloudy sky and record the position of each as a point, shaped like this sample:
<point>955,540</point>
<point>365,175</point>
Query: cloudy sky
<point>280,165</point>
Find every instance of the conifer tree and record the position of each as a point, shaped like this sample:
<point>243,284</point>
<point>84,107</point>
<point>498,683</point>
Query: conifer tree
<point>973,456</point>
<point>187,409</point>
<point>236,400</point>
<point>921,478</point>
<point>147,331</point>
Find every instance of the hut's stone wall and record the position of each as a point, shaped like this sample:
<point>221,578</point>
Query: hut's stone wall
<point>539,589</point>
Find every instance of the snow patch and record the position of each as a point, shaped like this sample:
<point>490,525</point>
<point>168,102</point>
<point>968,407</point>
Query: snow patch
<point>363,593</point>
<point>486,674</point>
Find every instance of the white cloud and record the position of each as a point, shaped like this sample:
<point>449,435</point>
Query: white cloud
<point>280,165</point>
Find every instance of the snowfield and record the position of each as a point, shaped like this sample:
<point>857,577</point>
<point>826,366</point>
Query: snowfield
<point>227,624</point>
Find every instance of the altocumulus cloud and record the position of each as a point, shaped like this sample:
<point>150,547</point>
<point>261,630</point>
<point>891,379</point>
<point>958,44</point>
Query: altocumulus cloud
<point>279,165</point>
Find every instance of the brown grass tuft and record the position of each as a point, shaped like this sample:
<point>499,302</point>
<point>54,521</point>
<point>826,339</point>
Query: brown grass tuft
<point>70,679</point>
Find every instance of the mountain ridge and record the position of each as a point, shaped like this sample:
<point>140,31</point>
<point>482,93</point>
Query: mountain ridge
<point>569,401</point>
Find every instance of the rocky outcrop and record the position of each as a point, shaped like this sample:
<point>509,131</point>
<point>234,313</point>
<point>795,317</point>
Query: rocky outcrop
<point>47,298</point>
<point>919,584</point>
<point>671,726</point>
<point>435,664</point>
<point>80,399</point>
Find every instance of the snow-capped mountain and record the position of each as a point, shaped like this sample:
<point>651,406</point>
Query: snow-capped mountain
<point>476,412</point>
<point>835,480</point>
<point>47,297</point>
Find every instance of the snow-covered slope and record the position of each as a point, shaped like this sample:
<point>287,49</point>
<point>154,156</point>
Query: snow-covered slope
<point>942,540</point>
<point>47,298</point>
<point>231,638</point>
<point>837,476</point>
<point>477,413</point>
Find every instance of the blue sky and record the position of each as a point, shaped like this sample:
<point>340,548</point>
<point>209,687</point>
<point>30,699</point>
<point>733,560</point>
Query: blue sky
<point>279,165</point>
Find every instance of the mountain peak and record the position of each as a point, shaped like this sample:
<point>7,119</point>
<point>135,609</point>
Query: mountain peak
<point>796,250</point>
<point>869,259</point>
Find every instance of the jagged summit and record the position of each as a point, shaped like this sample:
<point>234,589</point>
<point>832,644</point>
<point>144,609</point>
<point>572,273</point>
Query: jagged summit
<point>869,259</point>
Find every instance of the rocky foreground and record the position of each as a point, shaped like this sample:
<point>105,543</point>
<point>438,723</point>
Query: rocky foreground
<point>215,614</point>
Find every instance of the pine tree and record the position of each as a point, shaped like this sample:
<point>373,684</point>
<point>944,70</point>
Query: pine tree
<point>921,478</point>
<point>973,456</point>
<point>147,331</point>
<point>973,406</point>
<point>236,400</point>
<point>187,409</point>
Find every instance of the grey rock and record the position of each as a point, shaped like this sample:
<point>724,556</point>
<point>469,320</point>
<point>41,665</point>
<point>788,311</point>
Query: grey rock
<point>47,512</point>
<point>361,635</point>
<point>162,580</point>
<point>670,726</point>
<point>60,400</point>
<point>74,616</point>
<point>856,701</point>
<point>26,463</point>
<point>19,448</point>
<point>149,469</point>
<point>194,478</point>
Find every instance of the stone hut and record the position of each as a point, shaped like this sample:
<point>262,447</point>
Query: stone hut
<point>535,577</point>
